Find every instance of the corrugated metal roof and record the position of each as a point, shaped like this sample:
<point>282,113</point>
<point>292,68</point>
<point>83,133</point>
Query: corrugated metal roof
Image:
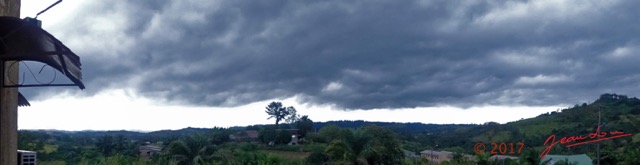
<point>581,159</point>
<point>22,40</point>
<point>22,101</point>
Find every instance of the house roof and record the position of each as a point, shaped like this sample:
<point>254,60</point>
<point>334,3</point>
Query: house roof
<point>252,133</point>
<point>22,40</point>
<point>581,159</point>
<point>500,157</point>
<point>438,153</point>
<point>22,101</point>
<point>150,147</point>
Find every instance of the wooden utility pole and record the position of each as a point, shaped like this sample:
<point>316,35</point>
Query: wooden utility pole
<point>9,99</point>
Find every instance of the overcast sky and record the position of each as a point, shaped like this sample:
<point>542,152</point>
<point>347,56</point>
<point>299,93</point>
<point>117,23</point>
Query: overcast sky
<point>172,64</point>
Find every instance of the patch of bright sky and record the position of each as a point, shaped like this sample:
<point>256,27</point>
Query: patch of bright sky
<point>122,109</point>
<point>61,11</point>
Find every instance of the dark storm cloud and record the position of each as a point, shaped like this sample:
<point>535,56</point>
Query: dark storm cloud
<point>359,54</point>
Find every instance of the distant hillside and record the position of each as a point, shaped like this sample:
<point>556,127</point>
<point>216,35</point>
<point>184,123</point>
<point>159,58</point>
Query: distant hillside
<point>405,128</point>
<point>400,127</point>
<point>618,113</point>
<point>396,126</point>
<point>142,136</point>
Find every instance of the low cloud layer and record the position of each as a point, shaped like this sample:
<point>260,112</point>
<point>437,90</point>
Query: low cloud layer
<point>358,54</point>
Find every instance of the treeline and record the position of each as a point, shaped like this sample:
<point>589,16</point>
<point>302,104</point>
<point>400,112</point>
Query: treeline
<point>350,142</point>
<point>371,144</point>
<point>395,126</point>
<point>403,128</point>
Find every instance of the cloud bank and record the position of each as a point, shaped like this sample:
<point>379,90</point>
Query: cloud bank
<point>357,54</point>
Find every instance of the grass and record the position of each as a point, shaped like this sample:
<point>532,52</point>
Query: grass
<point>288,154</point>
<point>57,162</point>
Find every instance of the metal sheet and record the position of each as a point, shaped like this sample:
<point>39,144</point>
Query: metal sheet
<point>20,40</point>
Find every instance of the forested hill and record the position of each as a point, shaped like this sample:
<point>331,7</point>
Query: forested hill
<point>618,113</point>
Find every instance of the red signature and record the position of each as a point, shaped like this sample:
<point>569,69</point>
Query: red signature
<point>578,140</point>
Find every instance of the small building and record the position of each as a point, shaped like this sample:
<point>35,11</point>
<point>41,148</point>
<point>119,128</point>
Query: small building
<point>581,159</point>
<point>503,157</point>
<point>294,140</point>
<point>436,156</point>
<point>147,151</point>
<point>27,157</point>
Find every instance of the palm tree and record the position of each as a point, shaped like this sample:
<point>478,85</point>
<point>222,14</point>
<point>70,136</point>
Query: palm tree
<point>367,145</point>
<point>532,157</point>
<point>193,149</point>
<point>339,151</point>
<point>383,146</point>
<point>361,147</point>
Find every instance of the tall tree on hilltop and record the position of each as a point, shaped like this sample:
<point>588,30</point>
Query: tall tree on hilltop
<point>279,112</point>
<point>293,115</point>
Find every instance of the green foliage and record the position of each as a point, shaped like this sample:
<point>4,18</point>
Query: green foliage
<point>31,140</point>
<point>270,134</point>
<point>279,112</point>
<point>482,159</point>
<point>530,157</point>
<point>114,159</point>
<point>631,156</point>
<point>316,147</point>
<point>283,137</point>
<point>333,132</point>
<point>304,125</point>
<point>192,149</point>
<point>315,138</point>
<point>369,144</point>
<point>109,145</point>
<point>458,158</point>
<point>218,136</point>
<point>317,158</point>
<point>338,150</point>
<point>267,134</point>
<point>231,156</point>
<point>383,146</point>
<point>56,162</point>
